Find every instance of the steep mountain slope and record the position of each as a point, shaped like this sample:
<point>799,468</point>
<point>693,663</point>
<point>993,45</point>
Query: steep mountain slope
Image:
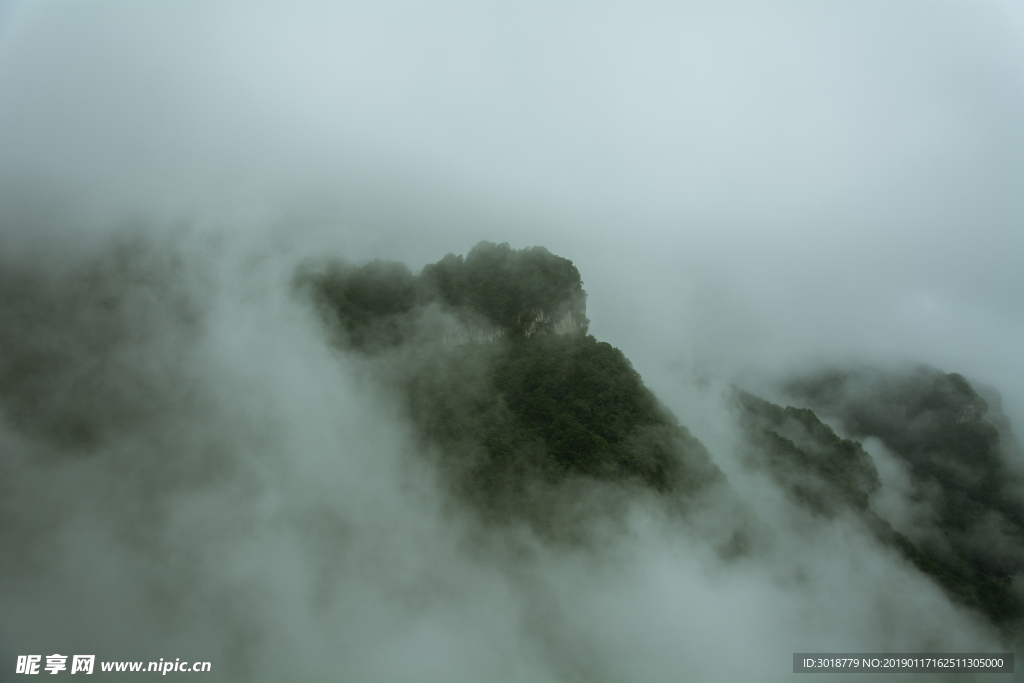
<point>972,542</point>
<point>937,426</point>
<point>491,355</point>
<point>824,473</point>
<point>490,358</point>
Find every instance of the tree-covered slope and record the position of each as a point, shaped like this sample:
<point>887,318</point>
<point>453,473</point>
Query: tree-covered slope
<point>490,355</point>
<point>823,472</point>
<point>972,542</point>
<point>936,425</point>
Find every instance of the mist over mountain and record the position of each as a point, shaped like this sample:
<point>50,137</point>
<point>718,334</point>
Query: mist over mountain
<point>969,526</point>
<point>574,342</point>
<point>491,356</point>
<point>494,366</point>
<point>160,425</point>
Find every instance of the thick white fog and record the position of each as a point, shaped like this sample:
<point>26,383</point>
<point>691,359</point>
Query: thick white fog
<point>748,190</point>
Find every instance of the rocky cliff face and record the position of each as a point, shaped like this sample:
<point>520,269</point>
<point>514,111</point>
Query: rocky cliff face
<point>568,322</point>
<point>472,334</point>
<point>532,323</point>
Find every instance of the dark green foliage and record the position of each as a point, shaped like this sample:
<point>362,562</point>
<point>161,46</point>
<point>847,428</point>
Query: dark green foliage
<point>935,424</point>
<point>527,405</point>
<point>584,401</point>
<point>378,305</point>
<point>513,418</point>
<point>373,303</point>
<point>819,469</point>
<point>965,579</point>
<point>504,285</point>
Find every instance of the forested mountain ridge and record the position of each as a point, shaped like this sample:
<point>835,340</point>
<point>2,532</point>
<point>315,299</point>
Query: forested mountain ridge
<point>491,356</point>
<point>493,291</point>
<point>938,427</point>
<point>820,470</point>
<point>934,424</point>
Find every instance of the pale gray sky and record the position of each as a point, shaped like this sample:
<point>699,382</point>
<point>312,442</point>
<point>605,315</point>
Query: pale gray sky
<point>741,184</point>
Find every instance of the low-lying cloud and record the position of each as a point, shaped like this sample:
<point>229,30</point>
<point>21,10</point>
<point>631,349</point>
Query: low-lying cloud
<point>213,480</point>
<point>191,468</point>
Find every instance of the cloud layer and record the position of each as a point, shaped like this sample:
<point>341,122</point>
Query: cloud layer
<point>191,471</point>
